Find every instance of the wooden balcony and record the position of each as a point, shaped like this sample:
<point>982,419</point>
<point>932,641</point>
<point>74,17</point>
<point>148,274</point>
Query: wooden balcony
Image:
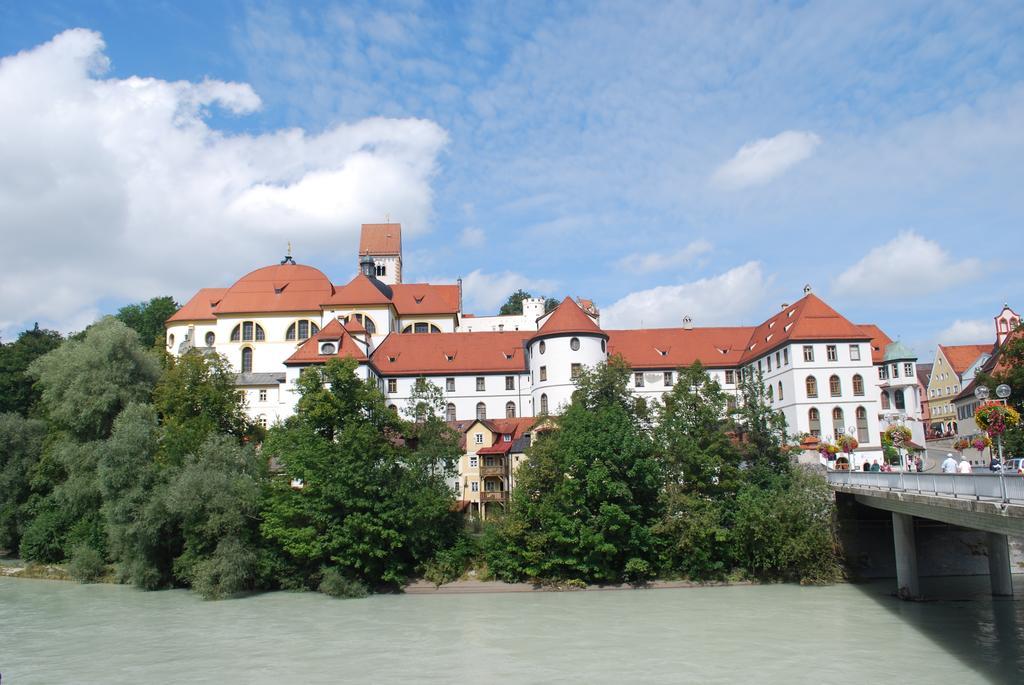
<point>494,496</point>
<point>486,471</point>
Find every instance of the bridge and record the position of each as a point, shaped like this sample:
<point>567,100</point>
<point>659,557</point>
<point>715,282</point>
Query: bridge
<point>982,501</point>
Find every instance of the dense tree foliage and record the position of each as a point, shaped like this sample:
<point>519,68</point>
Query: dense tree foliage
<point>1011,372</point>
<point>148,318</point>
<point>17,390</point>
<point>514,304</point>
<point>21,447</point>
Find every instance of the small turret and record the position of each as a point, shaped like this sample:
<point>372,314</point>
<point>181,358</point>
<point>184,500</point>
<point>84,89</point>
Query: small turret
<point>367,266</point>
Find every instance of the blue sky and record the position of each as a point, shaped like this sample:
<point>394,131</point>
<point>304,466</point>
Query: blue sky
<point>661,158</point>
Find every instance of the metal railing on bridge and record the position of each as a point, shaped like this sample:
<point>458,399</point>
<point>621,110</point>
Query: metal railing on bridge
<point>982,486</point>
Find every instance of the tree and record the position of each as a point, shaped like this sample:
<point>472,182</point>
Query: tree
<point>366,506</point>
<point>587,497</point>
<point>514,304</point>
<point>17,392</point>
<point>1011,372</point>
<point>760,429</point>
<point>148,319</point>
<point>550,304</point>
<point>21,446</point>
<point>433,441</point>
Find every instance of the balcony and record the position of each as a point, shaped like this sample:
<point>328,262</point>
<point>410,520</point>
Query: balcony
<point>494,496</point>
<point>497,471</point>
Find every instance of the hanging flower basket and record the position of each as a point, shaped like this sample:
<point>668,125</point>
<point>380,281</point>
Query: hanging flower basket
<point>980,442</point>
<point>847,443</point>
<point>828,450</point>
<point>961,444</point>
<point>994,419</point>
<point>897,435</point>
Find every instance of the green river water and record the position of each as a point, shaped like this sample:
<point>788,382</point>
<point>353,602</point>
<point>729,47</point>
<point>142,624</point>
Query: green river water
<point>62,632</point>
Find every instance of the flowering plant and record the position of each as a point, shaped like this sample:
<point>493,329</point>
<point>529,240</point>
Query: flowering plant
<point>897,434</point>
<point>961,444</point>
<point>980,442</point>
<point>847,443</point>
<point>994,419</point>
<point>828,450</point>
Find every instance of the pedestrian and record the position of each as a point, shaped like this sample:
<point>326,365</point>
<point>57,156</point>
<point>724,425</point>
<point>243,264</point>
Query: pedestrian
<point>875,467</point>
<point>949,465</point>
<point>994,465</point>
<point>919,463</point>
<point>964,467</point>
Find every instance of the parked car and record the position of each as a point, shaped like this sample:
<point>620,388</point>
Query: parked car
<point>1015,465</point>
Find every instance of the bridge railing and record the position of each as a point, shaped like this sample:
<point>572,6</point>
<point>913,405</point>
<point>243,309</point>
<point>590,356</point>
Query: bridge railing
<point>983,486</point>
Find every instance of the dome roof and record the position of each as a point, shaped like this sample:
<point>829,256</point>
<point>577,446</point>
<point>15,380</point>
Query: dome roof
<point>897,350</point>
<point>277,288</point>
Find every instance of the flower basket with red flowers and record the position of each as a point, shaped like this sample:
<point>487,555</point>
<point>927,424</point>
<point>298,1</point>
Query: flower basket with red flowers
<point>994,418</point>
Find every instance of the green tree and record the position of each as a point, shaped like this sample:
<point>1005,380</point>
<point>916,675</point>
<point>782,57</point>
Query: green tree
<point>549,304</point>
<point>21,447</point>
<point>587,497</point>
<point>17,392</point>
<point>1011,372</point>
<point>433,441</point>
<point>148,319</point>
<point>760,429</point>
<point>514,304</point>
<point>367,506</point>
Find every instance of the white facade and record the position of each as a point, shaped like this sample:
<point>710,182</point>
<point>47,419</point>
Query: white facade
<point>533,309</point>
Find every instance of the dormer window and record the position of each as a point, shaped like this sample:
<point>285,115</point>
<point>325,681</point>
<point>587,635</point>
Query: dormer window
<point>418,298</point>
<point>328,348</point>
<point>506,437</point>
<point>449,356</point>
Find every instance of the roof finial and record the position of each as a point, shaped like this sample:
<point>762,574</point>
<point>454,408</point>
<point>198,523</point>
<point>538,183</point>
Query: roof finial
<point>387,218</point>
<point>288,257</point>
<point>807,289</point>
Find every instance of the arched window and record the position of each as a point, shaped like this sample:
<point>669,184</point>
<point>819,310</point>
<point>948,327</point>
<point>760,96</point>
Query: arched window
<point>246,360</point>
<point>449,412</point>
<point>885,399</point>
<point>248,331</point>
<point>858,385</point>
<point>367,322</point>
<point>771,394</point>
<point>814,421</point>
<point>481,410</point>
<point>393,408</point>
<point>812,386</point>
<point>544,403</point>
<point>421,327</point>
<point>862,425</point>
<point>170,340</point>
<point>542,347</point>
<point>301,330</point>
<point>780,391</point>
<point>510,410</point>
<point>236,333</point>
<point>834,386</point>
<point>574,344</point>
<point>838,424</point>
<point>210,339</point>
<point>899,400</point>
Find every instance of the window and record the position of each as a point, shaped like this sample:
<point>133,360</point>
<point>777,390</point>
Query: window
<point>785,356</point>
<point>510,382</point>
<point>393,408</point>
<point>669,380</point>
<point>858,385</point>
<point>908,369</point>
<point>638,380</point>
<point>480,384</point>
<point>542,347</point>
<point>771,394</point>
<point>475,486</point>
<point>263,395</point>
<point>575,370</point>
<point>510,410</point>
<point>421,327</point>
<point>602,346</point>
<point>769,362</point>
<point>247,360</point>
<point>574,344</point>
<point>449,385</point>
<point>730,403</point>
<point>808,353</point>
<point>834,386</point>
<point>895,370</point>
<point>730,377</point>
<point>543,403</point>
<point>838,425</point>
<point>780,391</point>
<point>328,348</point>
<point>247,330</point>
<point>812,386</point>
<point>170,340</point>
<point>831,353</point>
<point>210,339</point>
<point>481,410</point>
<point>899,400</point>
<point>262,421</point>
<point>478,439</point>
<point>759,369</point>
<point>365,321</point>
<point>236,334</point>
<point>778,359</point>
<point>855,353</point>
<point>381,270</point>
<point>814,422</point>
<point>883,373</point>
<point>449,412</point>
<point>862,425</point>
<point>505,437</point>
<point>543,373</point>
<point>392,385</point>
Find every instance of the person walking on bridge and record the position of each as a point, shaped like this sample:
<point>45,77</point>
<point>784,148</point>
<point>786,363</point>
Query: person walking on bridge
<point>964,466</point>
<point>949,466</point>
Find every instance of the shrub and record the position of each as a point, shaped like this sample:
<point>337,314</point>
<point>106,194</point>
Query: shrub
<point>450,564</point>
<point>334,584</point>
<point>86,565</point>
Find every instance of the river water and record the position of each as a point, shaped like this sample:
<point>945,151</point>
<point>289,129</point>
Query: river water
<point>61,632</point>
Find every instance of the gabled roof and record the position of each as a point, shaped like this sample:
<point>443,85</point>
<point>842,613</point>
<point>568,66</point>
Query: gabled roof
<point>568,318</point>
<point>809,318</point>
<point>516,428</point>
<point>200,307</point>
<point>421,298</point>
<point>439,354</point>
<point>961,357</point>
<point>309,351</point>
<point>287,287</point>
<point>879,341</point>
<point>380,239</point>
<point>670,348</point>
<point>361,290</point>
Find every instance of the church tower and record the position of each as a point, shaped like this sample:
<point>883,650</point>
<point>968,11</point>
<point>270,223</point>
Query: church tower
<point>383,243</point>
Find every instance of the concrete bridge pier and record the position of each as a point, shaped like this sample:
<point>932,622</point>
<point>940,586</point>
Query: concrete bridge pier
<point>999,565</point>
<point>907,582</point>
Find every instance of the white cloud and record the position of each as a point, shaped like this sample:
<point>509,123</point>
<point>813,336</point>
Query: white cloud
<point>762,160</point>
<point>119,189</point>
<point>725,299</point>
<point>472,237</point>
<point>967,332</point>
<point>909,265</point>
<point>484,293</point>
<point>658,261</point>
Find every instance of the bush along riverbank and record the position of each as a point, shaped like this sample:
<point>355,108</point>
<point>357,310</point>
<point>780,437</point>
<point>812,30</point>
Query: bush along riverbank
<point>132,466</point>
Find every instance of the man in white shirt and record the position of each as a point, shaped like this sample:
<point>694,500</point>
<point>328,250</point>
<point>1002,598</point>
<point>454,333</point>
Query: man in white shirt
<point>964,467</point>
<point>949,466</point>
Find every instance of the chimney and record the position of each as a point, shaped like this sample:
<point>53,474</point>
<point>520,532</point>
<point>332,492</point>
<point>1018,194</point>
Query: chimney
<point>807,289</point>
<point>785,305</point>
<point>459,281</point>
<point>687,323</point>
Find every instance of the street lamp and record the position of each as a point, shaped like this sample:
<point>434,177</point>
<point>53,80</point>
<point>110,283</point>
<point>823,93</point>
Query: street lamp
<point>982,393</point>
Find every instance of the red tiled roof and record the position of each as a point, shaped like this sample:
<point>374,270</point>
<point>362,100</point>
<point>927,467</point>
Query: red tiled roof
<point>568,318</point>
<point>809,318</point>
<point>309,351</point>
<point>670,348</point>
<point>200,307</point>
<point>422,298</point>
<point>277,288</point>
<point>879,341</point>
<point>359,291</point>
<point>438,354</point>
<point>381,239</point>
<point>960,357</point>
